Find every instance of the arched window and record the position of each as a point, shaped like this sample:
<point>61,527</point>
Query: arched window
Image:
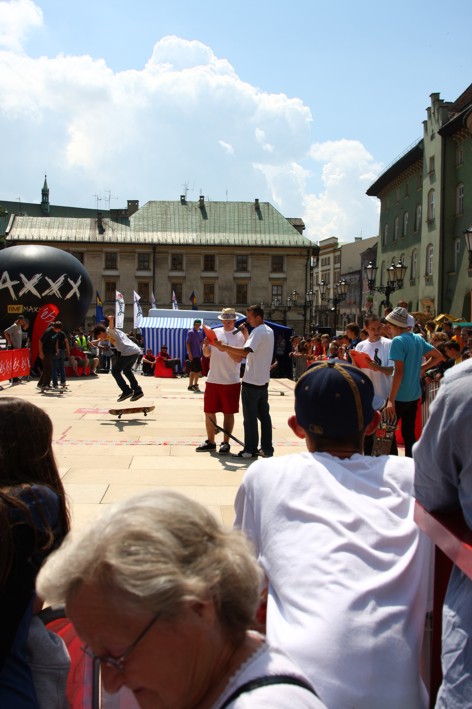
<point>414,264</point>
<point>395,230</point>
<point>405,224</point>
<point>429,260</point>
<point>431,206</point>
<point>418,218</point>
<point>460,198</point>
<point>385,235</point>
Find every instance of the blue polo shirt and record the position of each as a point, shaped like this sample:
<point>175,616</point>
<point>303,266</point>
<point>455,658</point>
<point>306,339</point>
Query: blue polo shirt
<point>410,349</point>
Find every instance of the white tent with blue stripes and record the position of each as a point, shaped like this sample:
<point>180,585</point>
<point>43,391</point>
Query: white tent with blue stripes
<point>167,331</point>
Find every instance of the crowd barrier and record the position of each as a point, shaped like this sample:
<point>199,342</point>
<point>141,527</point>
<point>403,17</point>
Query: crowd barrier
<point>14,363</point>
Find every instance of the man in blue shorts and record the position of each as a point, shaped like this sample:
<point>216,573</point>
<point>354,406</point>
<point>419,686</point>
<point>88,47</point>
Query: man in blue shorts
<point>223,384</point>
<point>195,337</point>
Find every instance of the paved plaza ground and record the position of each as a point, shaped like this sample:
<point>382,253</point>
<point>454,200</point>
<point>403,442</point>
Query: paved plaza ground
<point>103,459</point>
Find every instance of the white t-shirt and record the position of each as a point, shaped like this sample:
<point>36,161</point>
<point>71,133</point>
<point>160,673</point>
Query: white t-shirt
<point>265,662</point>
<point>382,382</point>
<point>261,342</point>
<point>223,369</point>
<point>347,569</point>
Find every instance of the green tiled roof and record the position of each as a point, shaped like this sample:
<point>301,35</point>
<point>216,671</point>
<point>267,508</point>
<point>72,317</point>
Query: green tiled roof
<point>172,223</point>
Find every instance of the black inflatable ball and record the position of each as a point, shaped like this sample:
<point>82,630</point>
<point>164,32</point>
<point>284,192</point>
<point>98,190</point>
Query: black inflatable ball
<point>33,276</point>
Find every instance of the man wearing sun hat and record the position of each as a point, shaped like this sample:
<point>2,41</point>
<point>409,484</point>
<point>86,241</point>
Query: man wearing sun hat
<point>223,384</point>
<point>346,565</point>
<point>407,353</point>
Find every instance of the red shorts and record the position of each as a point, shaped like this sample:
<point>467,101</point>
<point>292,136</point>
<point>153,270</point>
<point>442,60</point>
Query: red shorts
<point>221,397</point>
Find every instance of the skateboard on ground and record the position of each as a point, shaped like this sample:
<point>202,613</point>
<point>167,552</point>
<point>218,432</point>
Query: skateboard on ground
<point>131,410</point>
<point>384,437</point>
<point>222,430</point>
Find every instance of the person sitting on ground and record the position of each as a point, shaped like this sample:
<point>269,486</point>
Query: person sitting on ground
<point>77,359</point>
<point>33,521</point>
<point>163,597</point>
<point>148,363</point>
<point>345,563</point>
<point>173,363</point>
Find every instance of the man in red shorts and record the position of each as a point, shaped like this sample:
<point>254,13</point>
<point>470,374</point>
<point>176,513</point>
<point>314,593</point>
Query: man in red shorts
<point>223,383</point>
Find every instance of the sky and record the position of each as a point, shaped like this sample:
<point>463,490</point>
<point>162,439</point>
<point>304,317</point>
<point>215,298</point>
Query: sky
<point>300,104</point>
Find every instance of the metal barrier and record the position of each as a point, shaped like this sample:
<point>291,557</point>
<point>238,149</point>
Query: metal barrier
<point>430,392</point>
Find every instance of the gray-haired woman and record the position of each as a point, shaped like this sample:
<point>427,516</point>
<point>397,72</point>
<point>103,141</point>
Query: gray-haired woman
<point>164,597</point>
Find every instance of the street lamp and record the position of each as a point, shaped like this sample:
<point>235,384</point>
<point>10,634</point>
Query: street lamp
<point>395,278</point>
<point>468,241</point>
<point>340,293</point>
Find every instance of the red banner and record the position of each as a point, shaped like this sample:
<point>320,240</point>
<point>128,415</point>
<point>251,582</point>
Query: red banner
<point>43,319</point>
<point>14,363</point>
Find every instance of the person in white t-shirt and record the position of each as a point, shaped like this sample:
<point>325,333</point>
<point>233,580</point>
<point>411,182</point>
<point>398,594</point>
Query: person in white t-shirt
<point>380,368</point>
<point>345,563</point>
<point>223,385</point>
<point>259,352</point>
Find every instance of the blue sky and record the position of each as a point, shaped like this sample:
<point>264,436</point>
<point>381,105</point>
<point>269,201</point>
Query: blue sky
<point>299,104</point>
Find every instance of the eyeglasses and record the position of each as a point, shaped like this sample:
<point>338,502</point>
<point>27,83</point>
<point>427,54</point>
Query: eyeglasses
<point>118,663</point>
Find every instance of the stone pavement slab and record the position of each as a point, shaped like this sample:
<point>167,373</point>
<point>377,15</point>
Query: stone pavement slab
<point>103,459</point>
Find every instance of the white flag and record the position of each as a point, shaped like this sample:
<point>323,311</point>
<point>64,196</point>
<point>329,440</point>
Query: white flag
<point>138,311</point>
<point>175,305</point>
<point>153,300</point>
<point>119,310</point>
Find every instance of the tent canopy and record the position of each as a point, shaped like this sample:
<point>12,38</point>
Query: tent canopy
<point>166,331</point>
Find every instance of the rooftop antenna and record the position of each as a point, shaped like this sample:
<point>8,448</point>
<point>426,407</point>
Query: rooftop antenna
<point>98,199</point>
<point>186,189</point>
<point>108,198</point>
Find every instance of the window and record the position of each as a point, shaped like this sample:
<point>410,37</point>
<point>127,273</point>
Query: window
<point>209,264</point>
<point>177,262</point>
<point>143,292</point>
<point>208,292</point>
<point>405,224</point>
<point>385,235</point>
<point>396,224</point>
<point>177,289</point>
<point>431,206</point>
<point>407,189</point>
<point>277,264</point>
<point>460,199</point>
<point>241,293</point>
<point>418,218</point>
<point>414,264</point>
<point>110,291</point>
<point>277,294</point>
<point>79,255</point>
<point>429,260</point>
<point>459,155</point>
<point>144,262</point>
<point>431,165</point>
<point>111,260</point>
<point>457,254</point>
<point>242,265</point>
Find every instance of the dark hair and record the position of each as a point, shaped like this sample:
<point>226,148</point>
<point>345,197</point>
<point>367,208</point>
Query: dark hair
<point>354,327</point>
<point>24,464</point>
<point>98,329</point>
<point>371,317</point>
<point>256,310</point>
<point>452,345</point>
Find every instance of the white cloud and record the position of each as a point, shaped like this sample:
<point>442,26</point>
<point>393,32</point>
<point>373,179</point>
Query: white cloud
<point>17,19</point>
<point>143,134</point>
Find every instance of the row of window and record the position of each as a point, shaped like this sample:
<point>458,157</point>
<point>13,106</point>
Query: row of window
<point>208,295</point>
<point>209,262</point>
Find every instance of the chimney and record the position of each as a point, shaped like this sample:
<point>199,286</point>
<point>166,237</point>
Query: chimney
<point>183,199</point>
<point>133,206</point>
<point>201,203</point>
<point>100,227</point>
<point>256,204</point>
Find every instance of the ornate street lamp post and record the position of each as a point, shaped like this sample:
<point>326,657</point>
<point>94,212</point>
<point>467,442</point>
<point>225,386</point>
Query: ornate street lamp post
<point>395,277</point>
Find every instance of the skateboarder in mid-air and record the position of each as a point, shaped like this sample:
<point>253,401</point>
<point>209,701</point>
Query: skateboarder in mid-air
<point>128,353</point>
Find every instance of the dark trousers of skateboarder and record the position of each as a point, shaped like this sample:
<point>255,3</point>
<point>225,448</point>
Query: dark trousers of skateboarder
<point>123,367</point>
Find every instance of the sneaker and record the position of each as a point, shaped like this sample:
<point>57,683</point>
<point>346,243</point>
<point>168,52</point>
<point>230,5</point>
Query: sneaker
<point>93,374</point>
<point>125,395</point>
<point>244,454</point>
<point>191,388</point>
<point>206,446</point>
<point>196,389</point>
<point>137,395</point>
<point>263,454</point>
<point>224,449</point>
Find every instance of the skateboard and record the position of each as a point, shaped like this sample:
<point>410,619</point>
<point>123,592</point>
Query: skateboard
<point>222,430</point>
<point>384,437</point>
<point>131,410</point>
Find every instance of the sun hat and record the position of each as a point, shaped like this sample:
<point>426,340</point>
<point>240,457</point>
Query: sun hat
<point>398,317</point>
<point>334,399</point>
<point>227,314</point>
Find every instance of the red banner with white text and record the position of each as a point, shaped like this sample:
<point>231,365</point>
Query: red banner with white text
<point>14,363</point>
